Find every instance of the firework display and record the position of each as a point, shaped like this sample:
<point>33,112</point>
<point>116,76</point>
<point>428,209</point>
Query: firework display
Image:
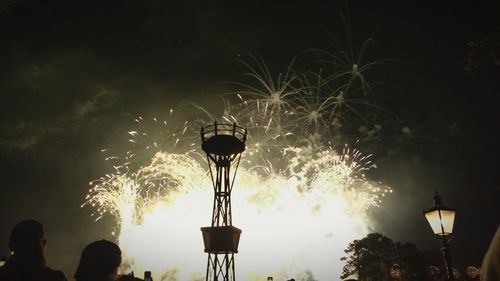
<point>298,198</point>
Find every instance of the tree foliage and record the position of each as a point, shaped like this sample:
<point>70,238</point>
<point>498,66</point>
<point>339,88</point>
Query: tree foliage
<point>483,53</point>
<point>377,257</point>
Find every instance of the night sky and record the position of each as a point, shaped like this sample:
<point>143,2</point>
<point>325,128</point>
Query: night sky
<point>74,75</point>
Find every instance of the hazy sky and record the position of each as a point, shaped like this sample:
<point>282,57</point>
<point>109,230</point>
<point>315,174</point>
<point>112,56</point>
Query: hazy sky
<point>73,75</point>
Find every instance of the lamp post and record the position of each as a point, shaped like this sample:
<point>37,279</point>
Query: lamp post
<point>441,220</point>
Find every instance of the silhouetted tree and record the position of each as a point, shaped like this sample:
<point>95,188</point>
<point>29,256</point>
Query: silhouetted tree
<point>378,258</point>
<point>484,52</point>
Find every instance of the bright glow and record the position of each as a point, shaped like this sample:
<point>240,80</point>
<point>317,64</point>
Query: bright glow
<point>441,220</point>
<point>294,223</point>
<point>298,202</point>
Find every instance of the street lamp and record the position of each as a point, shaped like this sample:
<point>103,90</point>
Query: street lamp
<point>441,220</point>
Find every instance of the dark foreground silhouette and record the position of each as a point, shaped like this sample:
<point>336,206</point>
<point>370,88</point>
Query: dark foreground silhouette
<point>28,261</point>
<point>99,262</point>
<point>491,262</point>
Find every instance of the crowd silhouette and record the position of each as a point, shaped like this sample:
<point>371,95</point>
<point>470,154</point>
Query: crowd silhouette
<point>101,260</point>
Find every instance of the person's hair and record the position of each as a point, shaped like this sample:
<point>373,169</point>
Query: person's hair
<point>98,260</point>
<point>26,241</point>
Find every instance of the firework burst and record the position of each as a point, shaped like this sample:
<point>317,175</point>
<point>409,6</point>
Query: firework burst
<point>296,197</point>
<point>165,202</point>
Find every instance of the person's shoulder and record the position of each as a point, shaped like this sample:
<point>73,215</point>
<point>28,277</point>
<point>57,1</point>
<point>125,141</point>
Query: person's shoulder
<point>55,275</point>
<point>46,274</point>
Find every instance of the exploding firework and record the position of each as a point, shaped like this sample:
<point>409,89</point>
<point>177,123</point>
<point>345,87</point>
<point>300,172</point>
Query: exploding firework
<point>298,201</point>
<point>146,138</point>
<point>304,215</point>
<point>274,92</point>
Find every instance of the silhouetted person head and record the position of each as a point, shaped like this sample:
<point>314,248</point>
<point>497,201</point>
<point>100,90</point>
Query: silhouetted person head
<point>99,262</point>
<point>27,242</point>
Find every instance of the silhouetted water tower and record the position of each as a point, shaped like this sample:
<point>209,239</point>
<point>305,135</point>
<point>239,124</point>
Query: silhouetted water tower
<point>223,144</point>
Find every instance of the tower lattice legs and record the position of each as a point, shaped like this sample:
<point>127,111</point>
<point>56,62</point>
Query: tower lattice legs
<point>223,144</point>
<point>220,267</point>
